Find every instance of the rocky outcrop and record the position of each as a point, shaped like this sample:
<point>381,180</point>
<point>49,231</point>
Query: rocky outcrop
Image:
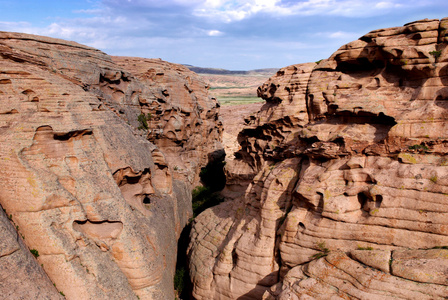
<point>183,119</point>
<point>84,187</point>
<point>342,178</point>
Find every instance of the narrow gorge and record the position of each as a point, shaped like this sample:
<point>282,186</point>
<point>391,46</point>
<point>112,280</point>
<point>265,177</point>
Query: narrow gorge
<point>337,189</point>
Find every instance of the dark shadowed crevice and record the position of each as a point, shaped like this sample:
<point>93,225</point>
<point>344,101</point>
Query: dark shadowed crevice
<point>362,199</point>
<point>378,201</point>
<point>182,282</point>
<point>213,176</point>
<point>146,200</point>
<point>234,258</point>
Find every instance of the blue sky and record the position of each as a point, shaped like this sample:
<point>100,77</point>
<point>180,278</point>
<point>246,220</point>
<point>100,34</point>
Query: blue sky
<point>229,34</point>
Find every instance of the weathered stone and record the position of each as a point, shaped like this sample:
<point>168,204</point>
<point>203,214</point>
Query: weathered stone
<point>21,277</point>
<point>378,259</point>
<point>102,205</point>
<point>350,152</point>
<point>429,266</point>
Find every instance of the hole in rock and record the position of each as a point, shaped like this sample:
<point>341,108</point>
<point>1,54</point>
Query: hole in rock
<point>301,225</point>
<point>99,229</point>
<point>146,200</point>
<point>378,200</point>
<point>362,199</point>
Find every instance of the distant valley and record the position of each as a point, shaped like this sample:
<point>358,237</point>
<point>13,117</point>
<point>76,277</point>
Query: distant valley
<point>234,87</point>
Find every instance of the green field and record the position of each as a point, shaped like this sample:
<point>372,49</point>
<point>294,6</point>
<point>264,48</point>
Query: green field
<point>238,100</point>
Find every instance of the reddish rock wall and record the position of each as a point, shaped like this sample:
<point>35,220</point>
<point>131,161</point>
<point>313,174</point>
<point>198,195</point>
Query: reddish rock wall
<point>101,204</point>
<point>345,155</point>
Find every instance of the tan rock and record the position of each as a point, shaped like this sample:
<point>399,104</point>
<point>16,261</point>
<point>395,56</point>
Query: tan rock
<point>362,136</point>
<point>184,120</point>
<point>429,266</point>
<point>378,259</point>
<point>21,277</point>
<point>97,200</point>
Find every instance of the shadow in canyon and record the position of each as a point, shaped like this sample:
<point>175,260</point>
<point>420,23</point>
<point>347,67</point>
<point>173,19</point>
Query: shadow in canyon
<point>213,180</point>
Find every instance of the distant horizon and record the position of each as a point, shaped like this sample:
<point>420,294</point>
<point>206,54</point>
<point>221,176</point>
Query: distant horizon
<point>237,35</point>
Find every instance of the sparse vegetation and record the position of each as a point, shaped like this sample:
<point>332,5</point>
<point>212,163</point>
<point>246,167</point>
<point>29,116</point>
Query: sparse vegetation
<point>238,100</point>
<point>203,198</point>
<point>35,253</point>
<point>436,53</point>
<point>433,179</point>
<point>365,248</point>
<point>323,251</point>
<point>143,121</point>
<point>179,280</point>
<point>318,62</point>
<point>62,294</point>
<point>418,147</point>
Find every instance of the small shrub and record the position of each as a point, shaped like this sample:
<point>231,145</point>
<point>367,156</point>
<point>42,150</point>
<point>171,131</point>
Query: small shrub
<point>318,62</point>
<point>143,120</point>
<point>62,294</point>
<point>365,248</point>
<point>323,251</point>
<point>418,147</point>
<point>433,179</point>
<point>436,54</point>
<point>179,280</point>
<point>35,253</point>
<point>203,198</point>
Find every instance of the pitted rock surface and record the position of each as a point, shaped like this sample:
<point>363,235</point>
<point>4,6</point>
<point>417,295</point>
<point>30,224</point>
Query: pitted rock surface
<point>347,154</point>
<point>101,204</point>
<point>184,120</point>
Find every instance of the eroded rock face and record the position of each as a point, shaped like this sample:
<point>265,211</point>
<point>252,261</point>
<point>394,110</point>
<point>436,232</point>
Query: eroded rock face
<point>345,155</point>
<point>184,120</point>
<point>102,205</point>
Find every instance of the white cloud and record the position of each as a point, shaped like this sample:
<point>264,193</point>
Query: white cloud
<point>214,33</point>
<point>342,35</point>
<point>382,5</point>
<point>237,10</point>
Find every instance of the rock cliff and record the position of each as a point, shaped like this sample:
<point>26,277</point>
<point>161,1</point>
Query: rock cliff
<point>342,179</point>
<point>96,169</point>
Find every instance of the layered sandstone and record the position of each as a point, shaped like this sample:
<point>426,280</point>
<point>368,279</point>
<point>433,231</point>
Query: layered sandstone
<point>83,182</point>
<point>184,120</point>
<point>344,179</point>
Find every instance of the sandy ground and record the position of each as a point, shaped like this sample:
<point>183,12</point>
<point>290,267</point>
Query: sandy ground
<point>233,121</point>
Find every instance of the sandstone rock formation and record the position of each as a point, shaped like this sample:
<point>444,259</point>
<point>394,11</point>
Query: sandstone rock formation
<point>343,180</point>
<point>83,186</point>
<point>184,119</point>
